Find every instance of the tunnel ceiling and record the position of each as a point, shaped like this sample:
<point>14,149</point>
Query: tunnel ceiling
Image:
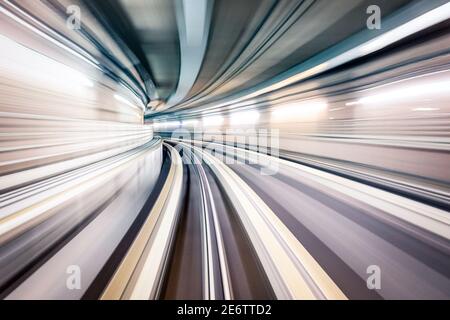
<point>156,29</point>
<point>149,29</point>
<point>246,45</point>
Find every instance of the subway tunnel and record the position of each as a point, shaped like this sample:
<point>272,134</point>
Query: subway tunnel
<point>224,149</point>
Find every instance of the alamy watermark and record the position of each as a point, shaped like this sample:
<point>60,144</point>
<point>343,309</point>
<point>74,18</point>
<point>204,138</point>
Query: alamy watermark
<point>73,21</point>
<point>73,281</point>
<point>259,147</point>
<point>374,20</point>
<point>374,280</point>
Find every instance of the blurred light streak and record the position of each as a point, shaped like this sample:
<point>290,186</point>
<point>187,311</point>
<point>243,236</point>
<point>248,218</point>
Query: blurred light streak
<point>127,102</point>
<point>425,109</point>
<point>193,19</point>
<point>244,117</point>
<point>328,62</point>
<point>173,124</point>
<point>338,109</point>
<point>92,61</point>
<point>213,120</point>
<point>31,65</point>
<point>407,93</point>
<point>422,22</point>
<point>190,122</point>
<point>167,124</point>
<point>303,111</point>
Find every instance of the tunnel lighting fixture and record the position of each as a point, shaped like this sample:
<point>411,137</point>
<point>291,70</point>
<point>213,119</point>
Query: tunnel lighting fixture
<point>244,117</point>
<point>157,125</point>
<point>212,120</point>
<point>190,123</point>
<point>338,109</point>
<point>28,64</point>
<point>164,124</point>
<point>172,124</point>
<point>406,93</point>
<point>425,109</point>
<point>302,111</point>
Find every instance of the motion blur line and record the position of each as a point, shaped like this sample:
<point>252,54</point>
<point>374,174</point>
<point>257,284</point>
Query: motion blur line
<point>209,287</point>
<point>432,191</point>
<point>426,217</point>
<point>90,59</point>
<point>352,48</point>
<point>57,172</point>
<point>21,177</point>
<point>140,273</point>
<point>15,223</point>
<point>74,142</point>
<point>291,270</point>
<point>432,219</point>
<point>31,194</point>
<point>208,226</point>
<point>224,271</point>
<point>69,149</point>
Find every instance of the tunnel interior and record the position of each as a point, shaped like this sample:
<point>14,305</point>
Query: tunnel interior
<point>224,149</point>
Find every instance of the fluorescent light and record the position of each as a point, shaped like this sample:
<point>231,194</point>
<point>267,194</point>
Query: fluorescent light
<point>425,109</point>
<point>172,124</point>
<point>20,61</point>
<point>407,93</point>
<point>302,111</point>
<point>212,120</point>
<point>190,122</point>
<point>166,124</point>
<point>338,109</point>
<point>156,125</point>
<point>244,117</point>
